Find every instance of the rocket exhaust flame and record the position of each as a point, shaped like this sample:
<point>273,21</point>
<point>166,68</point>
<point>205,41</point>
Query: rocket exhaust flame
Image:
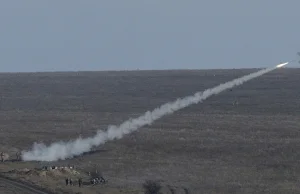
<point>63,150</point>
<point>281,65</point>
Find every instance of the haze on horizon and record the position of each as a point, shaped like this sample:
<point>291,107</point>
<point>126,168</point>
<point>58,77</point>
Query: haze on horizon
<point>93,35</point>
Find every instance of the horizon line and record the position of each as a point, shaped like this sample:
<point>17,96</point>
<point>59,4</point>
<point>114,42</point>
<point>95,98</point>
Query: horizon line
<point>132,70</point>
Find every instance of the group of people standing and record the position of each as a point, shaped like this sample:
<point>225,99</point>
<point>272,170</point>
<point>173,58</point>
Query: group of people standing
<point>69,181</point>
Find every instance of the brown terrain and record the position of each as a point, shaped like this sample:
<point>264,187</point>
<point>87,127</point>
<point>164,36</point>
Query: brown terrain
<point>213,147</point>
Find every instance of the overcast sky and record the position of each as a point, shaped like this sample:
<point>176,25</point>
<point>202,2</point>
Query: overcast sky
<point>63,35</point>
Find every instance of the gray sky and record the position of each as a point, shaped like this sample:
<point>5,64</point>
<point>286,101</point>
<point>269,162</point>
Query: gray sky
<point>61,35</point>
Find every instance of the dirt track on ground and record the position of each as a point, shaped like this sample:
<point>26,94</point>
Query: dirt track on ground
<point>9,186</point>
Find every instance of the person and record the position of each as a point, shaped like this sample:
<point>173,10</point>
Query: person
<point>79,182</point>
<point>67,181</point>
<point>2,157</point>
<point>71,182</point>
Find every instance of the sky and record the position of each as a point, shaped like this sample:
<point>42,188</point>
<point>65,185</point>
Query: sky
<point>94,35</point>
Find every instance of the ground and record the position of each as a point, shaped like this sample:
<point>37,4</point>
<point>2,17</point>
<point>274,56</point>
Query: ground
<point>212,147</point>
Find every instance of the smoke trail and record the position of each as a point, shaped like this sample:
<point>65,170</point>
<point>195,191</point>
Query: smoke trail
<point>63,150</point>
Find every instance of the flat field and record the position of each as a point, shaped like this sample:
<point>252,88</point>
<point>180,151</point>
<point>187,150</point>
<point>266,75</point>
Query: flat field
<point>212,147</point>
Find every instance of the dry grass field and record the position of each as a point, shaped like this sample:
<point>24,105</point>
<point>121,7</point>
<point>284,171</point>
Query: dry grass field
<point>211,147</point>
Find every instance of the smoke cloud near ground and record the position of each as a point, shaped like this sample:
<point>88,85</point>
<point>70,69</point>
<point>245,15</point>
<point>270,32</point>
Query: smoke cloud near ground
<point>63,150</point>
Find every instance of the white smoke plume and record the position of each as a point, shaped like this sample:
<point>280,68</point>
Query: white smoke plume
<point>63,150</point>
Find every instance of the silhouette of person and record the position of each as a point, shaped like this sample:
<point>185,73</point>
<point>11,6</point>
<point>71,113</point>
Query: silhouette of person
<point>79,182</point>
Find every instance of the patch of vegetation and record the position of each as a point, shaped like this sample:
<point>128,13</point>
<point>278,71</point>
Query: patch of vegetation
<point>152,187</point>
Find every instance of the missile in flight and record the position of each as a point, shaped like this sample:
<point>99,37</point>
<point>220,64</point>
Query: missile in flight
<point>282,64</point>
